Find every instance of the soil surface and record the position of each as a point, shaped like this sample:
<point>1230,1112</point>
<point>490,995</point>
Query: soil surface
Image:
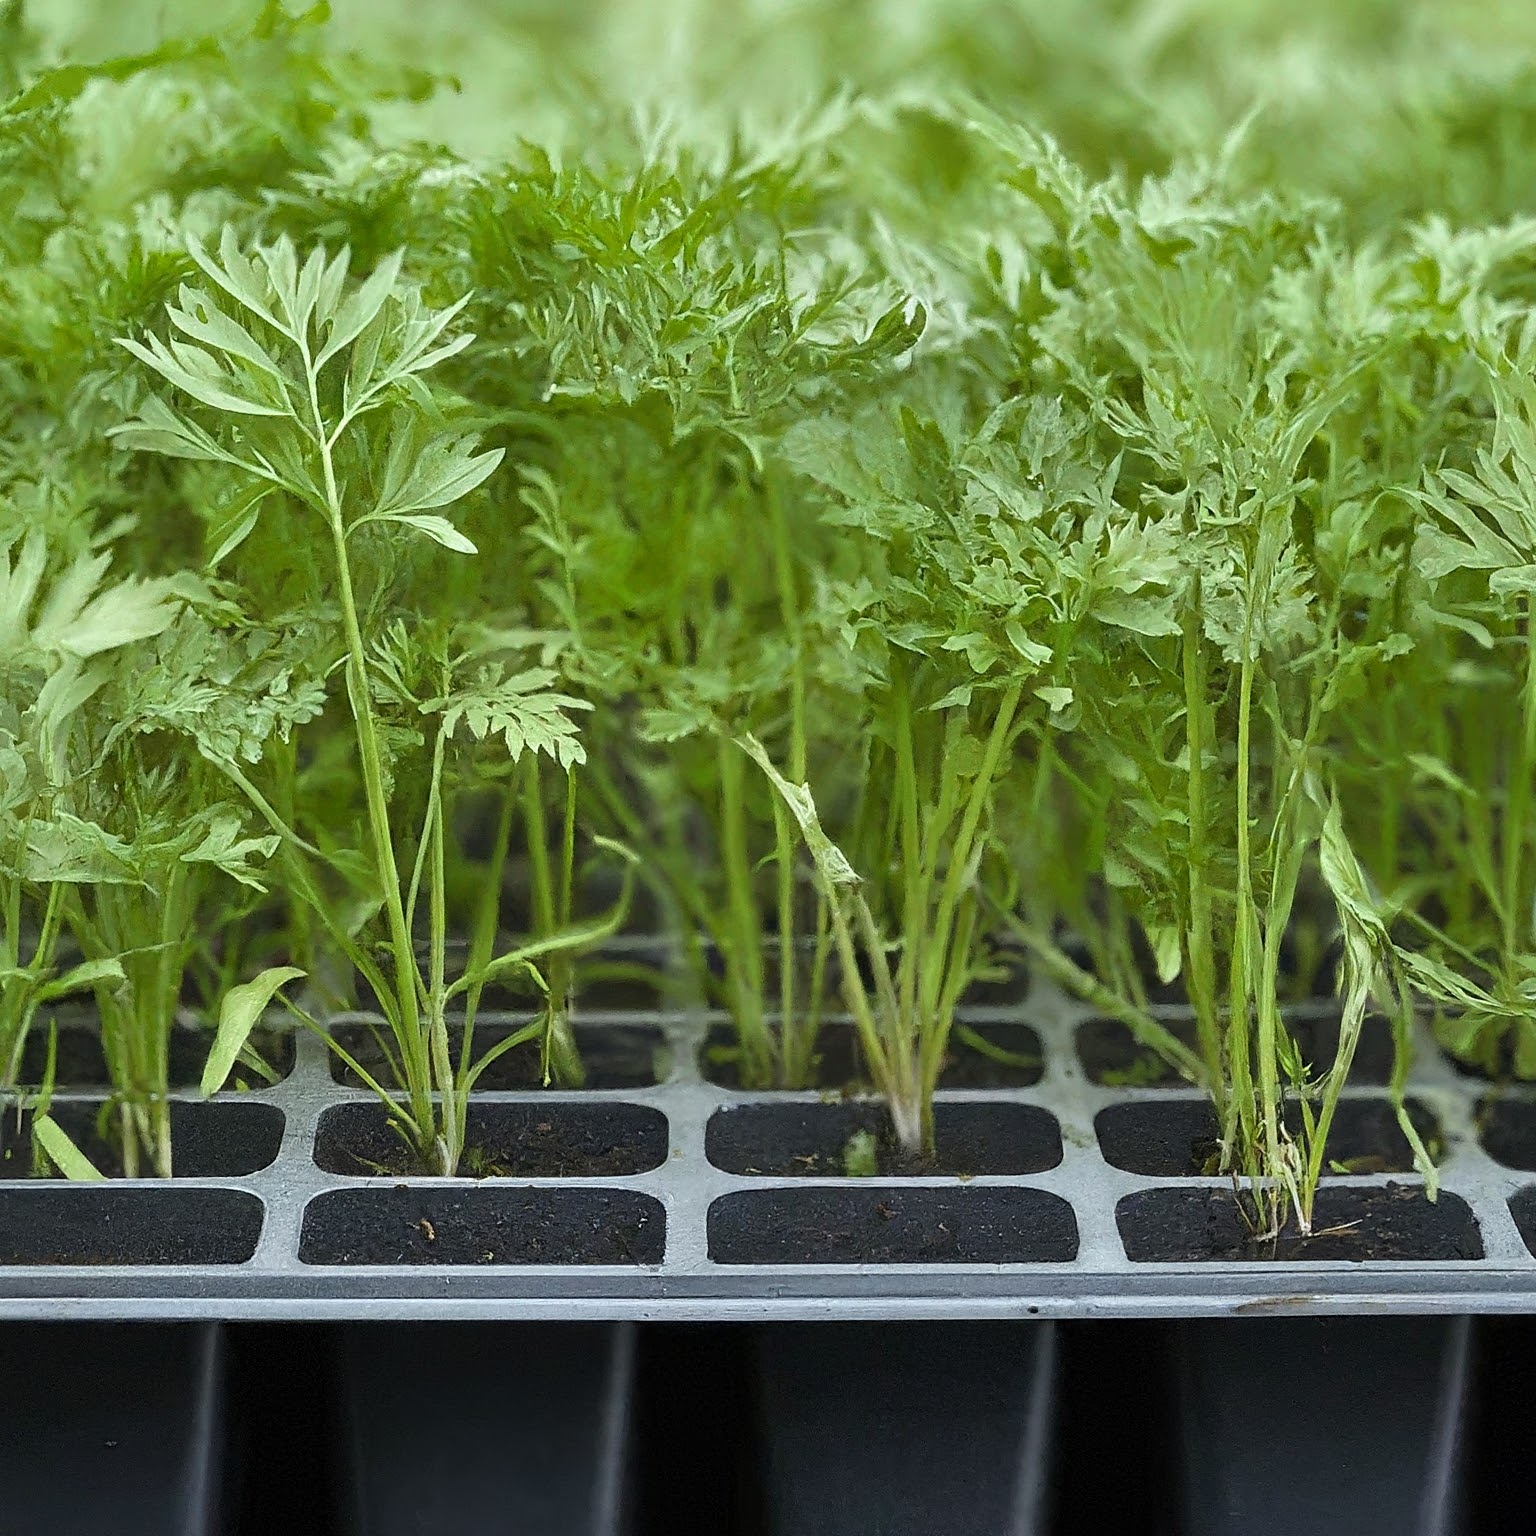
<point>1177,1138</point>
<point>1506,1127</point>
<point>813,1140</point>
<point>522,1141</point>
<point>614,1055</point>
<point>101,1224</point>
<point>1350,1225</point>
<point>620,986</point>
<point>1111,1055</point>
<point>208,1140</point>
<point>1008,987</point>
<point>1522,1206</point>
<point>1499,1067</point>
<point>81,1064</point>
<point>892,1224</point>
<point>482,1224</point>
<point>839,1063</point>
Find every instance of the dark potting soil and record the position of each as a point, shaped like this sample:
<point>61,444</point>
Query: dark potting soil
<point>892,1224</point>
<point>621,986</point>
<point>1350,1225</point>
<point>548,1139</point>
<point>482,1224</point>
<point>1020,1065</point>
<point>81,1064</point>
<point>1497,1067</point>
<point>1522,1206</point>
<point>107,1224</point>
<point>614,1055</point>
<point>209,1140</point>
<point>813,1140</point>
<point>1177,1138</point>
<point>839,1065</point>
<point>1111,1055</point>
<point>1506,1127</point>
<point>1007,986</point>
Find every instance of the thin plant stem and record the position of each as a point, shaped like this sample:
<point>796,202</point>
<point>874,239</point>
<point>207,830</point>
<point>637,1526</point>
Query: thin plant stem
<point>413,1046</point>
<point>744,956</point>
<point>1513,909</point>
<point>1200,961</point>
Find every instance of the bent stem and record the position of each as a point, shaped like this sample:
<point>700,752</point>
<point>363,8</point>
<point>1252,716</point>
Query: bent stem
<point>1199,926</point>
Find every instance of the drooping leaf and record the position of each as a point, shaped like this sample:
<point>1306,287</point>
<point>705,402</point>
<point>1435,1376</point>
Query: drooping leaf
<point>62,1152</point>
<point>239,1013</point>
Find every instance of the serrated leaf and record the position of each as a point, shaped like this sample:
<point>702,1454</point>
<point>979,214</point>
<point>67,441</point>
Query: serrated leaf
<point>438,529</point>
<point>521,708</point>
<point>158,429</point>
<point>224,847</point>
<point>440,471</point>
<point>197,316</point>
<point>194,372</point>
<point>68,849</point>
<point>237,276</point>
<point>361,308</point>
<point>128,612</point>
<point>235,525</point>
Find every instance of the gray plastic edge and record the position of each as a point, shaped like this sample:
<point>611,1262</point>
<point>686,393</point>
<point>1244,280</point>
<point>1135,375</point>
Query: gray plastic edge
<point>688,1286</point>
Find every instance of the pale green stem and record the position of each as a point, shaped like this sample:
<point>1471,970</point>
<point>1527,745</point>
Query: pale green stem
<point>1199,953</point>
<point>744,958</point>
<point>407,977</point>
<point>1515,919</point>
<point>797,1034</point>
<point>448,1143</point>
<point>1246,952</point>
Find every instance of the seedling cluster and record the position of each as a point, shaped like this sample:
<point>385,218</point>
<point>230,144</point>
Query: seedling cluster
<point>869,556</point>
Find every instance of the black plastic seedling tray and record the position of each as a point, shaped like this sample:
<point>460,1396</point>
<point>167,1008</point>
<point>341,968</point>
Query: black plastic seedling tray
<point>1372,1435</point>
<point>1066,1184</point>
<point>526,1430</point>
<point>1216,1427</point>
<point>871,1429</point>
<point>120,1429</point>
